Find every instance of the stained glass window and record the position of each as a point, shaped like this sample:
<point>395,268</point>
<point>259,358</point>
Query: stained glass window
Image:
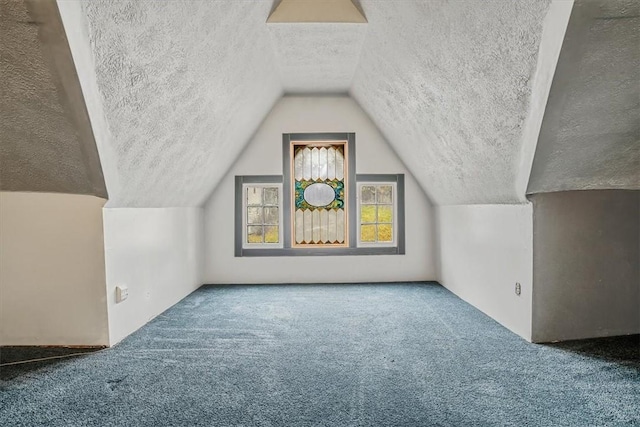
<point>319,208</point>
<point>262,214</point>
<point>319,205</point>
<point>377,213</point>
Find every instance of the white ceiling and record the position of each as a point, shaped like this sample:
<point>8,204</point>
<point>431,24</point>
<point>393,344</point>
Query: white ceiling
<point>185,84</point>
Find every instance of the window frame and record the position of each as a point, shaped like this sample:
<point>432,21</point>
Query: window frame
<point>245,222</point>
<point>350,187</point>
<point>347,147</point>
<point>255,249</point>
<point>394,223</point>
<point>399,213</point>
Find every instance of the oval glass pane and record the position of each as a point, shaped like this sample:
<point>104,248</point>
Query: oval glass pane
<point>319,194</point>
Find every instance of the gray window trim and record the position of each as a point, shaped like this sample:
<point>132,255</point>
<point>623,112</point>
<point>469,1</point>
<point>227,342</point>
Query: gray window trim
<point>399,180</point>
<point>238,214</point>
<point>318,252</point>
<point>286,204</point>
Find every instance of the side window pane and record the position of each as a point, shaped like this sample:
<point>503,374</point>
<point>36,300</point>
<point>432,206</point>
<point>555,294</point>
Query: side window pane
<point>271,234</point>
<point>385,232</point>
<point>368,194</point>
<point>377,211</point>
<point>254,234</point>
<point>385,213</point>
<point>271,215</point>
<point>254,215</point>
<point>384,194</point>
<point>368,213</point>
<point>270,196</point>
<point>254,196</point>
<point>368,233</point>
<point>262,214</point>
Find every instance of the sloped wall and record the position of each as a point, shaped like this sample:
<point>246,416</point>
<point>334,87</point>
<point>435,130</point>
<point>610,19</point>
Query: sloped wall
<point>590,135</point>
<point>47,142</point>
<point>263,156</point>
<point>52,274</point>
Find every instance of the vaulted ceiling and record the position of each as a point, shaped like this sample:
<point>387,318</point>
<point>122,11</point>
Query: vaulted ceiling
<point>449,85</point>
<point>183,86</point>
<point>457,87</point>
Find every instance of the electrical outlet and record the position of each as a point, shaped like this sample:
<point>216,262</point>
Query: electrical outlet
<point>518,289</point>
<point>122,293</point>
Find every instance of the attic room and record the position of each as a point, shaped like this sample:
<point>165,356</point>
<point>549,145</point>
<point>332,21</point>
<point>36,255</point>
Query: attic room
<point>320,212</point>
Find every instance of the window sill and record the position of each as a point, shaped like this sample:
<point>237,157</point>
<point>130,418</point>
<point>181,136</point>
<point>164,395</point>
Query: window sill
<point>387,250</point>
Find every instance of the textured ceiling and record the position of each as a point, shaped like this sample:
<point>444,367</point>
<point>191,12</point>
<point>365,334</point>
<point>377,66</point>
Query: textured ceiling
<point>47,144</point>
<point>449,84</point>
<point>317,57</point>
<point>590,136</point>
<point>184,86</point>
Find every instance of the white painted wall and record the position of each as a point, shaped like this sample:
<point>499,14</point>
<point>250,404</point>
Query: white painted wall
<point>263,156</point>
<point>157,254</point>
<point>485,250</point>
<point>586,264</point>
<point>52,273</point>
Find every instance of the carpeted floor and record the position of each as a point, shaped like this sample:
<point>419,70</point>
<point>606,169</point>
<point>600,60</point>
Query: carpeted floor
<point>328,355</point>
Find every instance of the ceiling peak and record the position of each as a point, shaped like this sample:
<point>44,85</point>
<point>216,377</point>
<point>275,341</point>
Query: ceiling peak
<point>316,11</point>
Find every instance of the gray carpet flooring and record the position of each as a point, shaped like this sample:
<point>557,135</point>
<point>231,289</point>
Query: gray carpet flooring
<point>328,355</point>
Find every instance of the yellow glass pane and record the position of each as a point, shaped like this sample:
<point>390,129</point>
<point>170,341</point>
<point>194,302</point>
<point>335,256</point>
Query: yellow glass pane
<point>271,234</point>
<point>385,233</point>
<point>368,213</point>
<point>254,234</point>
<point>385,213</point>
<point>368,233</point>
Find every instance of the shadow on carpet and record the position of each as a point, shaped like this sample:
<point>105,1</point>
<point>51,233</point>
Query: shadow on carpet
<point>22,360</point>
<point>623,350</point>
